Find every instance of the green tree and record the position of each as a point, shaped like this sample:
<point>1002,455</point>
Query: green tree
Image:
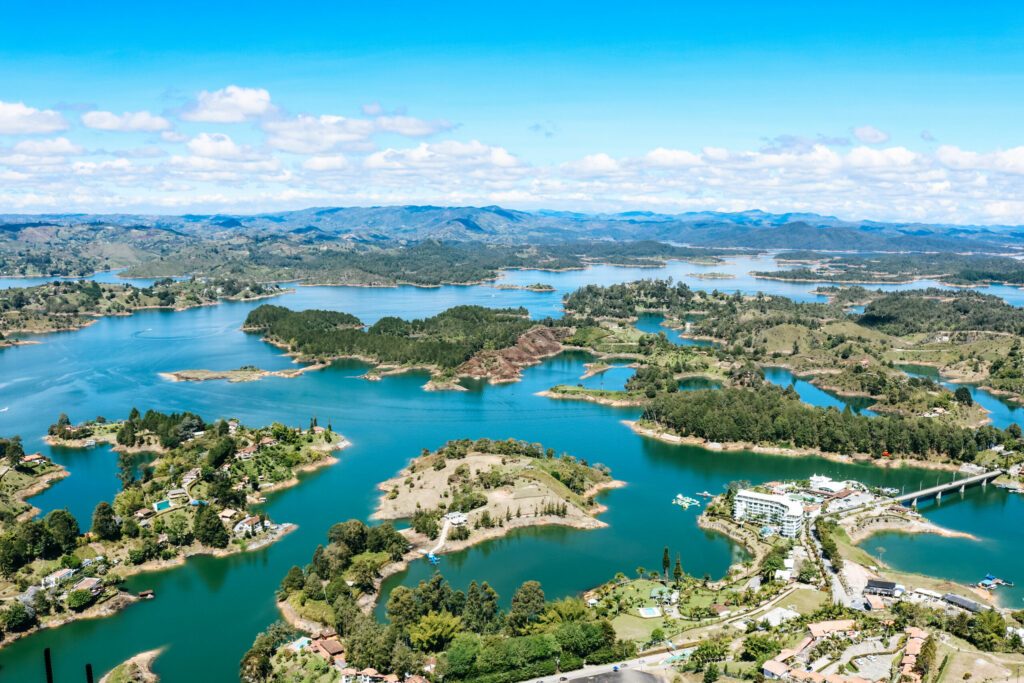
<point>208,528</point>
<point>459,660</point>
<point>434,631</point>
<point>292,581</point>
<point>666,562</point>
<point>78,600</point>
<point>527,605</point>
<point>104,525</point>
<point>312,588</point>
<point>711,673</point>
<point>352,533</point>
<point>403,609</point>
<point>677,571</point>
<point>178,532</point>
<point>16,617</point>
<point>63,527</point>
<point>963,396</point>
<point>481,610</point>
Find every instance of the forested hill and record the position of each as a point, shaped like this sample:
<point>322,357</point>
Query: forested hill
<point>445,340</point>
<point>940,310</point>
<point>752,229</point>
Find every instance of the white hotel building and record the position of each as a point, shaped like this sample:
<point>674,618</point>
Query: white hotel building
<point>780,511</point>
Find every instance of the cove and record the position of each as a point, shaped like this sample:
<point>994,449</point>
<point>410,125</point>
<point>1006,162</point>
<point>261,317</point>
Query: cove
<point>208,611</point>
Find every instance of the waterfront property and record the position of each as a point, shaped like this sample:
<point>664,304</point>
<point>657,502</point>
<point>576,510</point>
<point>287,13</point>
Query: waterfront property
<point>781,511</point>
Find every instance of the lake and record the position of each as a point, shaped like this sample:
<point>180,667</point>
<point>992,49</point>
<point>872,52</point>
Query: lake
<point>207,612</point>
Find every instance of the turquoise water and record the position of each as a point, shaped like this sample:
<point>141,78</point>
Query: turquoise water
<point>207,612</point>
<point>652,324</point>
<point>817,397</point>
<point>1002,413</point>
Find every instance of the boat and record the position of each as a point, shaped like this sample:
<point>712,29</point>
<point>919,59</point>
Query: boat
<point>433,559</point>
<point>684,501</point>
<point>147,594</point>
<point>4,409</point>
<point>706,494</point>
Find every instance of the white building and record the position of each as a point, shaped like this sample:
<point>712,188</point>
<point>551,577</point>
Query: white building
<point>780,511</point>
<point>457,518</point>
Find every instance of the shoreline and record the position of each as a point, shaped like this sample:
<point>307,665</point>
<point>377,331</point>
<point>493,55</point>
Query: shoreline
<point>909,527</point>
<point>237,375</point>
<point>269,538</point>
<point>590,398</point>
<point>42,483</point>
<point>140,664</point>
<point>108,608</point>
<point>325,461</point>
<point>668,437</point>
<point>102,439</point>
<point>94,318</point>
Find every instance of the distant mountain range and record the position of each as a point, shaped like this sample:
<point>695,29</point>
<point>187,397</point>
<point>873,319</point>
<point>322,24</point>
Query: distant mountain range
<point>407,224</point>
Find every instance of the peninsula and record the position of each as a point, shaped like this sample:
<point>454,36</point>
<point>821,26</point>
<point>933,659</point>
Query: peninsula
<point>74,304</point>
<point>196,497</point>
<point>464,341</point>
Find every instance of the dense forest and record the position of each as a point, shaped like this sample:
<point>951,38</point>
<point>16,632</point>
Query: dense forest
<point>472,638</point>
<point>770,415</point>
<point>935,310</point>
<point>445,340</point>
<point>425,263</point>
<point>70,304</point>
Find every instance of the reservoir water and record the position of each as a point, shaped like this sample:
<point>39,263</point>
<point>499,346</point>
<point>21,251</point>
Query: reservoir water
<point>207,612</point>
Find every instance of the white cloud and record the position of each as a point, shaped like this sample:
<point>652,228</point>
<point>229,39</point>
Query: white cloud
<point>373,109</point>
<point>593,165</point>
<point>410,126</point>
<point>881,158</point>
<point>229,105</point>
<point>216,146</point>
<point>447,154</point>
<point>669,158</point>
<point>306,134</point>
<point>129,121</point>
<point>53,147</point>
<point>173,136</point>
<point>334,162</point>
<point>18,119</point>
<point>870,135</point>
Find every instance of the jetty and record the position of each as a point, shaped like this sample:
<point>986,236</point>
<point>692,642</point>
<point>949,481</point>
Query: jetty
<point>957,485</point>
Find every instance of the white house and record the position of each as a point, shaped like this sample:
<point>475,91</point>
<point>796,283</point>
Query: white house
<point>56,578</point>
<point>250,524</point>
<point>457,518</point>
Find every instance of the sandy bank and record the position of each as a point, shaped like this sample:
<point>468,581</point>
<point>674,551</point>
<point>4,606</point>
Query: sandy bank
<point>136,669</point>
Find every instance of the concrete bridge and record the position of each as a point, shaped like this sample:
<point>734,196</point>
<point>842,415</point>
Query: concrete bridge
<point>956,485</point>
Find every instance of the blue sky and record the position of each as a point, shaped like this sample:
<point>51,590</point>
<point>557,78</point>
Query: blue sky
<point>902,111</point>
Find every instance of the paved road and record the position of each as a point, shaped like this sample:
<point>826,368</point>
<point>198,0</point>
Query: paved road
<point>627,672</point>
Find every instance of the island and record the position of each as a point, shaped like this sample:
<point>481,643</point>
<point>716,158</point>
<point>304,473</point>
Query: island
<point>194,495</point>
<point>469,491</point>
<point>74,304</point>
<point>464,341</point>
<point>535,287</point>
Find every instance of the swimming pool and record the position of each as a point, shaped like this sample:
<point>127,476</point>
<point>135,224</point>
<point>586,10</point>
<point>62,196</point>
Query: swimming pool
<point>161,505</point>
